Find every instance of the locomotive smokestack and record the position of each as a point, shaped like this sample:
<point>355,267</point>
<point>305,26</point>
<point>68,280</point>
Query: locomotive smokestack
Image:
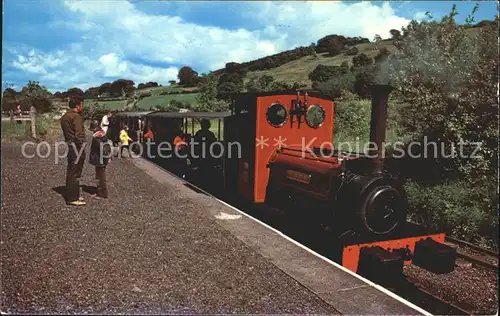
<point>380,95</point>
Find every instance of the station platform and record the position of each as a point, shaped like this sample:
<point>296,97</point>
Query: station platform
<point>157,246</point>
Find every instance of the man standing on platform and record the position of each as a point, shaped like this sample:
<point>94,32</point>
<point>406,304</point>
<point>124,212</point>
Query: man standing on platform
<point>74,135</point>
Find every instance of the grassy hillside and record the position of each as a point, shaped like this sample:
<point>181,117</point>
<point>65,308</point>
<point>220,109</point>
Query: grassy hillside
<point>298,70</point>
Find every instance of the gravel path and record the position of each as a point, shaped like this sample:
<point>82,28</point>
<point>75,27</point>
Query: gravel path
<point>473,289</point>
<point>145,250</point>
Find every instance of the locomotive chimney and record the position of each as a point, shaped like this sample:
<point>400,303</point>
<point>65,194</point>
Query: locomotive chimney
<point>380,95</point>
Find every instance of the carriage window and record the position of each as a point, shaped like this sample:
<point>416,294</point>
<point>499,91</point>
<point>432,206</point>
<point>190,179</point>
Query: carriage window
<point>315,116</point>
<point>276,114</point>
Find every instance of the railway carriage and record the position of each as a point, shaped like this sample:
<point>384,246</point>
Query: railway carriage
<point>131,119</point>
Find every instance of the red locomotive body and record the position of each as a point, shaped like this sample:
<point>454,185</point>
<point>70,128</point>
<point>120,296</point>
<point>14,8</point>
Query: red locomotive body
<point>288,160</point>
<point>266,125</point>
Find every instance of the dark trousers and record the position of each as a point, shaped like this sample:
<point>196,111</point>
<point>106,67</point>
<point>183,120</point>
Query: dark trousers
<point>73,174</point>
<point>128,150</point>
<point>102,188</point>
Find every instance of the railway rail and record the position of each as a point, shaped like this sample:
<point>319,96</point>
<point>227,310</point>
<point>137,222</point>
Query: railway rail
<point>475,254</point>
<point>408,289</point>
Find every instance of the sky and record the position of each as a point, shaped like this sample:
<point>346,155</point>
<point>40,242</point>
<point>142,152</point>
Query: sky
<point>84,43</point>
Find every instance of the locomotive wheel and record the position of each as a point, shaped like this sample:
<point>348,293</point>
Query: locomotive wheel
<point>382,210</point>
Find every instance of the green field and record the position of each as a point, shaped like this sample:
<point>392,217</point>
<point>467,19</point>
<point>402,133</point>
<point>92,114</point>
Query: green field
<point>162,100</point>
<point>113,105</point>
<point>149,102</point>
<point>157,90</point>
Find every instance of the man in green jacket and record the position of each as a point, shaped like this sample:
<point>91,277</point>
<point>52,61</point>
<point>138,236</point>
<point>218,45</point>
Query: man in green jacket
<point>74,135</point>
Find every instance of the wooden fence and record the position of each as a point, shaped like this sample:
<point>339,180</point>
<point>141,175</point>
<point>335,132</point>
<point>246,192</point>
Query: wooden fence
<point>25,116</point>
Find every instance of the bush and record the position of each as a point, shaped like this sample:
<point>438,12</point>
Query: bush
<point>360,61</point>
<point>187,76</point>
<point>94,111</point>
<point>382,56</point>
<point>334,87</point>
<point>336,43</point>
<point>352,51</point>
<point>267,62</point>
<point>352,120</point>
<point>323,73</point>
<point>451,80</point>
<point>364,77</point>
<point>456,208</point>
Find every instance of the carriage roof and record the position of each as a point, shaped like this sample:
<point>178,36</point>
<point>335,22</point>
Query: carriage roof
<point>200,115</point>
<point>131,114</point>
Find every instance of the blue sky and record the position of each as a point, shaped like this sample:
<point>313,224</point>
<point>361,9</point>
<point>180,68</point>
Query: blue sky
<point>64,43</point>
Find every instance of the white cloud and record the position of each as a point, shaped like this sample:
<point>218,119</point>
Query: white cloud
<point>419,16</point>
<point>169,38</point>
<point>61,70</point>
<point>109,33</point>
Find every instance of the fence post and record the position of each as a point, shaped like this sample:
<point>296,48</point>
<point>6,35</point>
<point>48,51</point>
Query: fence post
<point>11,113</point>
<point>33,121</point>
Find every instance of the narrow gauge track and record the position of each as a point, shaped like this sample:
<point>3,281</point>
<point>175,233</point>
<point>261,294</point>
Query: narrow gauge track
<point>476,255</point>
<point>407,289</point>
<point>302,230</point>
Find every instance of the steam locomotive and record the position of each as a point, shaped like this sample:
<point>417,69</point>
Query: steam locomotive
<point>285,158</point>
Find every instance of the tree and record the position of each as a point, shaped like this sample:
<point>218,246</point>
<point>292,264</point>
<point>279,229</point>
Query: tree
<point>121,87</point>
<point>335,86</point>
<point>37,96</point>
<point>332,44</point>
<point>382,56</point>
<point>172,82</point>
<point>92,93</point>
<point>364,78</point>
<point>206,99</point>
<point>344,67</point>
<point>322,73</point>
<point>361,61</point>
<point>187,76</point>
<point>147,85</point>
<point>377,38</point>
<point>313,49</point>
<point>450,78</point>
<point>352,51</point>
<point>75,92</point>
<point>105,89</point>
<point>395,34</point>
<point>230,82</point>
<point>9,93</point>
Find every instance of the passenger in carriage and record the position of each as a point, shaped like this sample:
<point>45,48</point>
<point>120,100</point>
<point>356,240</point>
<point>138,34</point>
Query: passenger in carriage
<point>149,135</point>
<point>205,134</point>
<point>204,138</point>
<point>149,139</point>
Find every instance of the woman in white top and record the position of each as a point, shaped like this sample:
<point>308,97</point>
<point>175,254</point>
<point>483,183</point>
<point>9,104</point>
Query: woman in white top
<point>105,122</point>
